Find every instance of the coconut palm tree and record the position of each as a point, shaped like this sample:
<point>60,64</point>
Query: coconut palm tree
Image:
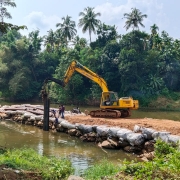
<point>49,40</point>
<point>35,40</point>
<point>157,42</point>
<point>134,19</point>
<point>154,29</point>
<point>3,10</point>
<point>82,42</point>
<point>88,20</point>
<point>59,40</point>
<point>67,28</point>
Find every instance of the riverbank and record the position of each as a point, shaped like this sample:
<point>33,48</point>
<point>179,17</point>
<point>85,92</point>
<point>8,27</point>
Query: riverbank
<point>132,135</point>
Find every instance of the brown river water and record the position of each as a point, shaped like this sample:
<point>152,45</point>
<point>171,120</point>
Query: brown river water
<point>81,154</point>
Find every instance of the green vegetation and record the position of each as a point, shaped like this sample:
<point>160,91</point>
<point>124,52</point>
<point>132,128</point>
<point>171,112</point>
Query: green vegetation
<point>165,165</point>
<point>102,169</point>
<point>143,65</point>
<point>28,159</point>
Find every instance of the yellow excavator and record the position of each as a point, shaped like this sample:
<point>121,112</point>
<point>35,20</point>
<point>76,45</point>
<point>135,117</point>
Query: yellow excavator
<point>110,106</point>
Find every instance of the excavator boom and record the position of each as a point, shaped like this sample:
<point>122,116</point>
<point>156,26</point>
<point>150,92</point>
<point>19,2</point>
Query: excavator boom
<point>76,66</point>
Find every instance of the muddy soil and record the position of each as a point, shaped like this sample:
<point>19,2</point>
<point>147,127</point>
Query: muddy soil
<point>158,124</point>
<point>11,174</point>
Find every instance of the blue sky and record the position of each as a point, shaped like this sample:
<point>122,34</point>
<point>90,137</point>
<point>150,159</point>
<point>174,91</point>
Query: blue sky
<point>45,14</point>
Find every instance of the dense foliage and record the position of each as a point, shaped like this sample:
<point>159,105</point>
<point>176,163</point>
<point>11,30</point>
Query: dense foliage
<point>135,64</point>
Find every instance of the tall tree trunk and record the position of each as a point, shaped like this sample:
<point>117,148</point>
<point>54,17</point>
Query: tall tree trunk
<point>90,35</point>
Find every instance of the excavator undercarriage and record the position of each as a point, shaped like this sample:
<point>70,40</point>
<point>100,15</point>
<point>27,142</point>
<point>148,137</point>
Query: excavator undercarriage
<point>110,113</point>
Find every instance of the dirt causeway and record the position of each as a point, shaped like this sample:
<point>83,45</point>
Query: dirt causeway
<point>158,124</point>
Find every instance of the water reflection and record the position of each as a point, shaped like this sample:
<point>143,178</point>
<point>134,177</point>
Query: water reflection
<point>81,154</point>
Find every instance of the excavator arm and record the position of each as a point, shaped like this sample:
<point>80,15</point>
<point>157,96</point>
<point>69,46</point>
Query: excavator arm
<point>61,83</point>
<point>76,66</point>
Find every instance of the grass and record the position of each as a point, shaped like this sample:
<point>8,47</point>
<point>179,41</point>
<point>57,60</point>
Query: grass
<point>100,170</point>
<point>28,159</point>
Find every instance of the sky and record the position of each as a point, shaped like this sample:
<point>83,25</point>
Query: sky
<point>43,15</point>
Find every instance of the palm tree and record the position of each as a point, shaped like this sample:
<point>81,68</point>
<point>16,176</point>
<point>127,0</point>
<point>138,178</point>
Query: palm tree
<point>157,42</point>
<point>82,42</point>
<point>59,40</point>
<point>35,40</point>
<point>134,19</point>
<point>153,35</point>
<point>50,40</point>
<point>3,10</point>
<point>67,28</point>
<point>89,21</point>
<point>154,29</point>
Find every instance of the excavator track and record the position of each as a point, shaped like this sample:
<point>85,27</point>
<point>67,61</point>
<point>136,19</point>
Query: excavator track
<point>125,113</point>
<point>105,113</point>
<point>110,113</point>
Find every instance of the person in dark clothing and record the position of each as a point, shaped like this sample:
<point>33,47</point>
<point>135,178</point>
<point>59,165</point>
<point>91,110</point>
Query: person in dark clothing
<point>62,111</point>
<point>54,112</point>
<point>56,119</point>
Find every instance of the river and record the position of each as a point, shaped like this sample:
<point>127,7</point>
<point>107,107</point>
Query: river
<point>81,154</point>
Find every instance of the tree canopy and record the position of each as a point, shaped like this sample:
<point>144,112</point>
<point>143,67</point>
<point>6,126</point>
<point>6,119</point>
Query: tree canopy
<point>136,64</point>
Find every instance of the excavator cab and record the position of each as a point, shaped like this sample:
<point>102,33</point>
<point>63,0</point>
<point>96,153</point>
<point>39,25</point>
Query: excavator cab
<point>109,99</point>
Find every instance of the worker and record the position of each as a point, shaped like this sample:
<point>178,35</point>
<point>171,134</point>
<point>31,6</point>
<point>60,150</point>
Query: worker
<point>56,122</point>
<point>62,111</point>
<point>56,119</point>
<point>54,112</point>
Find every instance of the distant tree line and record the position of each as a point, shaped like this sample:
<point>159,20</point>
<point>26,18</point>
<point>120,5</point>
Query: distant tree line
<point>135,64</point>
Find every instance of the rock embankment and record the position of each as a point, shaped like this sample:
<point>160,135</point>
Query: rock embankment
<point>139,139</point>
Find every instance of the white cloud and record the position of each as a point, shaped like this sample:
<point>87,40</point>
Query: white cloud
<point>38,20</point>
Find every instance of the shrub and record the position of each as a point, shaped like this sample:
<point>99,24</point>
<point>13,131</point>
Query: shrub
<point>166,164</point>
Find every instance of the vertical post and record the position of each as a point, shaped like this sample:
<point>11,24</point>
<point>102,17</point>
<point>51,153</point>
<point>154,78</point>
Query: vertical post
<point>46,113</point>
